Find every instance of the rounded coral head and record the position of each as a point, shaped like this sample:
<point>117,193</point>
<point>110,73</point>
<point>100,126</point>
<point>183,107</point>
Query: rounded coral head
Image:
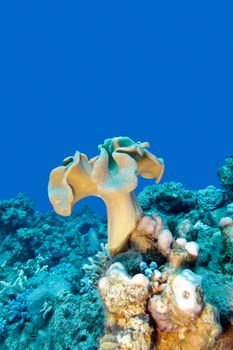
<point>226,221</point>
<point>188,293</point>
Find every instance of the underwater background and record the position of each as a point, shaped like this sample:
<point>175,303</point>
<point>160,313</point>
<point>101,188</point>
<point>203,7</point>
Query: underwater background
<point>71,75</point>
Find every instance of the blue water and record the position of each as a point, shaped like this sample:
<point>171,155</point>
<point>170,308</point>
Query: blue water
<point>73,74</point>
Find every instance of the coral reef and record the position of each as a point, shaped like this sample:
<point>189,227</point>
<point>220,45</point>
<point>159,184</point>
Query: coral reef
<point>42,258</point>
<point>171,289</point>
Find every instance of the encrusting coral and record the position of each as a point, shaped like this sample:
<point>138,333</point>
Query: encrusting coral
<point>111,176</point>
<point>181,315</point>
<point>173,299</point>
<point>127,324</point>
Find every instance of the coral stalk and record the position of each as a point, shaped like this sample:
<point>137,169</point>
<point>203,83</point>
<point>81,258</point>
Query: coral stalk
<point>123,212</point>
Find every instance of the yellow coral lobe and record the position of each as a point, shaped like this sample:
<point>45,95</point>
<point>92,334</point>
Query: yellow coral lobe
<point>150,167</point>
<point>60,193</point>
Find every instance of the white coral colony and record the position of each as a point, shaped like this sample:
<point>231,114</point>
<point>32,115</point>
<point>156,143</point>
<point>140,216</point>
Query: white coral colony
<point>111,176</point>
<point>187,291</point>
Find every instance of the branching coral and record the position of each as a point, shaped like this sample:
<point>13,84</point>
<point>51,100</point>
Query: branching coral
<point>111,176</point>
<point>96,267</point>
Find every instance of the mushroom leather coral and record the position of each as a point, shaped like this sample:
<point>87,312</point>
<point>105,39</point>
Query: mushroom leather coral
<point>111,176</point>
